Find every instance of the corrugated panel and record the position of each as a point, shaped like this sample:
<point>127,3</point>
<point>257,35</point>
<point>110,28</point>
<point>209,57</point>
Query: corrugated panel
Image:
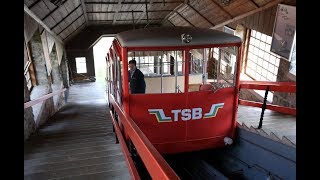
<point>30,26</point>
<point>46,52</point>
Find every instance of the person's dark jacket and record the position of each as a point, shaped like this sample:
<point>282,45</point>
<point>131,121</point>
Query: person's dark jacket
<point>137,83</point>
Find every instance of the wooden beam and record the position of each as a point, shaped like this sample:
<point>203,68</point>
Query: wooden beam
<point>220,7</point>
<point>66,17</point>
<point>200,14</point>
<point>84,9</point>
<point>144,12</point>
<point>158,2</point>
<point>268,5</point>
<point>117,10</point>
<point>170,22</point>
<point>164,10</point>
<point>57,7</point>
<point>123,20</point>
<point>185,19</point>
<point>70,24</point>
<point>33,4</point>
<point>172,12</point>
<point>254,3</point>
<point>30,13</point>
<point>74,31</point>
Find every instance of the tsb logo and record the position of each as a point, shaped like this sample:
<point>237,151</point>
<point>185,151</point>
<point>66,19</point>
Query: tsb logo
<point>186,114</point>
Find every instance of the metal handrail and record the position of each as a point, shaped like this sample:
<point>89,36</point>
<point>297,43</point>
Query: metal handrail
<point>289,87</point>
<point>156,165</point>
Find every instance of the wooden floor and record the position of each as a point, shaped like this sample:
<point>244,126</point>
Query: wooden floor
<point>77,142</point>
<point>276,125</point>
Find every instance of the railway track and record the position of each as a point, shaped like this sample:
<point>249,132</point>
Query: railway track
<point>251,157</point>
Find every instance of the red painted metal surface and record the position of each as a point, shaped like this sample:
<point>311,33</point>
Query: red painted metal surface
<point>289,87</point>
<point>43,98</point>
<point>286,110</point>
<point>125,81</point>
<point>274,86</point>
<point>132,168</point>
<point>167,48</point>
<point>165,134</point>
<point>186,69</point>
<point>157,167</point>
<point>236,92</point>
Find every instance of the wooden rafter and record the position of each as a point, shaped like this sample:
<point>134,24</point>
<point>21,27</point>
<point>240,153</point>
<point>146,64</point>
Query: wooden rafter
<point>220,7</point>
<point>36,18</point>
<point>172,12</point>
<point>117,10</point>
<point>170,22</point>
<point>84,9</point>
<point>33,4</point>
<point>144,11</point>
<point>185,19</point>
<point>70,24</point>
<point>142,2</point>
<point>66,16</point>
<point>108,12</point>
<point>57,7</point>
<point>200,14</point>
<point>74,31</point>
<point>268,5</point>
<point>254,3</point>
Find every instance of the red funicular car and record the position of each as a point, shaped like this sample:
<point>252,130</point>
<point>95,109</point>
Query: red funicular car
<point>192,82</point>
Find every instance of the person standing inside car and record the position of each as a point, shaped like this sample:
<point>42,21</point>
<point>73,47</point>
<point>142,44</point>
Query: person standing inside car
<point>136,79</point>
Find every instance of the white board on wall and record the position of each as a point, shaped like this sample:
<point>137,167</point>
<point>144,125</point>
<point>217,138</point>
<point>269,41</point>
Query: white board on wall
<point>284,30</point>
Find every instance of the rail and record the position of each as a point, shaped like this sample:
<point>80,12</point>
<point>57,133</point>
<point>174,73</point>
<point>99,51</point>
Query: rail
<point>42,98</point>
<point>289,87</point>
<point>156,165</point>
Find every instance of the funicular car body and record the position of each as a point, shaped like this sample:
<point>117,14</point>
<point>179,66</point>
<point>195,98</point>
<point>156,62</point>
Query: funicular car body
<point>192,82</point>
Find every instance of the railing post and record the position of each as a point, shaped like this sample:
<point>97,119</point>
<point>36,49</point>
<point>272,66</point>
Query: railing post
<point>264,106</point>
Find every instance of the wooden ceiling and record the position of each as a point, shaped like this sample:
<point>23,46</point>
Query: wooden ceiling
<point>67,17</point>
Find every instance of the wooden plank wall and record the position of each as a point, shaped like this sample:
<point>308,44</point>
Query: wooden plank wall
<point>262,21</point>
